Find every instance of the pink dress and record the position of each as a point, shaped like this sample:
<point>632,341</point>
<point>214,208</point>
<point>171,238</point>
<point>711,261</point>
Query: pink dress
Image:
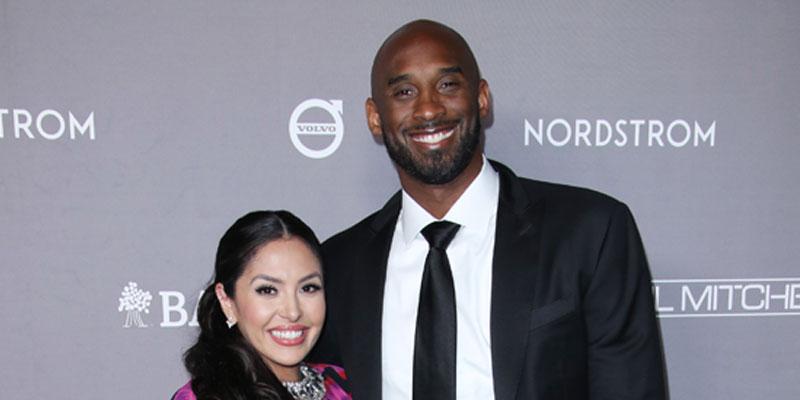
<point>334,378</point>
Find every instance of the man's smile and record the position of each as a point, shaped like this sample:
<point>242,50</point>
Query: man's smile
<point>432,133</point>
<point>433,137</point>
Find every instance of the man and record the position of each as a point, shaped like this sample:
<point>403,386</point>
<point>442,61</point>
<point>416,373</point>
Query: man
<point>539,291</point>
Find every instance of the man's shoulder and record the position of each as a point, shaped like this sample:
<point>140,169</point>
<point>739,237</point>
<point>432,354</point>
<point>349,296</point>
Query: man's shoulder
<point>567,195</point>
<point>354,234</point>
<point>555,196</point>
<point>565,206</point>
<point>363,230</point>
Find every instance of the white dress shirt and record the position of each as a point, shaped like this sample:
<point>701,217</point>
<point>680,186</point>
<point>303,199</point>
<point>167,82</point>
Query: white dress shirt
<point>470,255</point>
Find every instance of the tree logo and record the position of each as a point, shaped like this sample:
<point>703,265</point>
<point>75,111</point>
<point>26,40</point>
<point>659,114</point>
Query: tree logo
<point>134,301</point>
<point>313,131</point>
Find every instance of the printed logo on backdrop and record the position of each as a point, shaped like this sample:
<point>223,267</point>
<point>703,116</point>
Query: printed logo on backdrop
<point>709,298</point>
<point>320,137</point>
<point>134,302</point>
<point>174,312</point>
<point>49,124</point>
<point>678,133</point>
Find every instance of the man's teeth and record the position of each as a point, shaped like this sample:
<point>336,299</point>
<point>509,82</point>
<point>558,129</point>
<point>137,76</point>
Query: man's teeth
<point>433,137</point>
<point>286,334</point>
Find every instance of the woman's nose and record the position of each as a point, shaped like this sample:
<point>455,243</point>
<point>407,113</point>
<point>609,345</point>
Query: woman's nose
<point>290,308</point>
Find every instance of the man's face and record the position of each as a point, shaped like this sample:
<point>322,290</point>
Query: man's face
<point>426,106</point>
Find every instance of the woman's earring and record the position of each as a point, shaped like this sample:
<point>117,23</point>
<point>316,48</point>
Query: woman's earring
<point>230,323</point>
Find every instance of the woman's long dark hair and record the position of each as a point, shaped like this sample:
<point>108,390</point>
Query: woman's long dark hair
<point>223,365</point>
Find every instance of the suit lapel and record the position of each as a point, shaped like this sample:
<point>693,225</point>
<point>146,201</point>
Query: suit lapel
<point>367,304</point>
<point>513,269</point>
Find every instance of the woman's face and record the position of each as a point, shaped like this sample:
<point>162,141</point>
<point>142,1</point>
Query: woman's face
<point>279,305</point>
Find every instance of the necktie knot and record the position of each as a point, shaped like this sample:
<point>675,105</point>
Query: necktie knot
<point>439,234</point>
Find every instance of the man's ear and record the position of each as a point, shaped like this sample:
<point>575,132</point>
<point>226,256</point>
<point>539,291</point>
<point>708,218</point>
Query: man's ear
<point>374,120</point>
<point>484,103</point>
<point>226,302</point>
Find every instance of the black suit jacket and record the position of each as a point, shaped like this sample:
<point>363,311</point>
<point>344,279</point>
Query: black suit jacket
<point>572,313</point>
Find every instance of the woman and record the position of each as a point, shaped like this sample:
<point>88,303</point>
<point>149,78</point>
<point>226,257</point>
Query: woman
<point>261,316</point>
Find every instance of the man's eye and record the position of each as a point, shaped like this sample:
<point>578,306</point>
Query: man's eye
<point>403,92</point>
<point>311,288</point>
<point>266,290</point>
<point>450,84</point>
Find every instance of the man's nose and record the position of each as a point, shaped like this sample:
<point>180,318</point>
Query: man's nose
<point>428,106</point>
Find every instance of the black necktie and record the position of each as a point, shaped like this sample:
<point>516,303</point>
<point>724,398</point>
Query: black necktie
<point>435,339</point>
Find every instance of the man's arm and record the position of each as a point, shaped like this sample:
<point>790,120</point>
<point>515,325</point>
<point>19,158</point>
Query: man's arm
<point>326,351</point>
<point>624,347</point>
<point>327,348</point>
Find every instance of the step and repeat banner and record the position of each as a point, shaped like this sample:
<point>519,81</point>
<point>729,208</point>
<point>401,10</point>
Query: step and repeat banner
<point>135,132</point>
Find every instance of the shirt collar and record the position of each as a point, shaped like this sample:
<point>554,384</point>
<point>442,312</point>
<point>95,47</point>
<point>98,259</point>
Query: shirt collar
<point>473,210</point>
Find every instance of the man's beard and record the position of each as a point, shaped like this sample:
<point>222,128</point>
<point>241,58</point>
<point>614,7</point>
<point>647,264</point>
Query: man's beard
<point>439,166</point>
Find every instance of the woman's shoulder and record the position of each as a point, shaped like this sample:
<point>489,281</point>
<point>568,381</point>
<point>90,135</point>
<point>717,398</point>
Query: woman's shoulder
<point>184,393</point>
<point>335,379</point>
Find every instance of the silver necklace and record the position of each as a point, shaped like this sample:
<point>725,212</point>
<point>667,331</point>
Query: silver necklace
<point>310,386</point>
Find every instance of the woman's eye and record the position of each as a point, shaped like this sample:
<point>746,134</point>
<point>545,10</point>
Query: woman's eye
<point>266,290</point>
<point>311,288</point>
